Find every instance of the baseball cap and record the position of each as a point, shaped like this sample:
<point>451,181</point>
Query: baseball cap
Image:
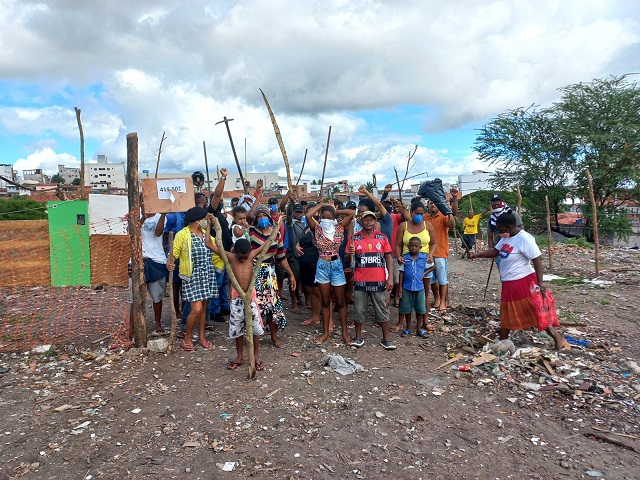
<point>273,201</point>
<point>350,204</point>
<point>298,208</point>
<point>367,213</point>
<point>497,197</point>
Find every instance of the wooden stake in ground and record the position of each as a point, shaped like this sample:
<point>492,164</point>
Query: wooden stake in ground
<point>276,130</point>
<point>137,266</point>
<point>326,155</point>
<point>549,238</point>
<point>78,111</point>
<point>160,152</point>
<point>174,320</point>
<point>596,237</point>
<point>519,200</point>
<point>486,287</point>
<point>246,295</point>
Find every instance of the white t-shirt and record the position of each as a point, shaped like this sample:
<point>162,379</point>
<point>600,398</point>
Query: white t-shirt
<point>515,255</point>
<point>152,245</point>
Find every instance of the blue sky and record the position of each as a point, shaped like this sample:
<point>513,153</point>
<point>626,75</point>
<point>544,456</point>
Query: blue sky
<point>385,75</point>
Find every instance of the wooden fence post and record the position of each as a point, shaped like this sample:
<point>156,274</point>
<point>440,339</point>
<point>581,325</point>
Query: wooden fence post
<point>549,239</point>
<point>596,237</point>
<point>78,111</point>
<point>137,264</point>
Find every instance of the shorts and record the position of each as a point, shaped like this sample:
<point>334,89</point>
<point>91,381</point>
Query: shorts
<point>156,290</point>
<point>237,325</point>
<point>440,273</point>
<point>379,300</point>
<point>330,272</point>
<point>308,274</point>
<point>413,301</point>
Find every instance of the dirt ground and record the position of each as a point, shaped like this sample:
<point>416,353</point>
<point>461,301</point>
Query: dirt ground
<point>85,412</point>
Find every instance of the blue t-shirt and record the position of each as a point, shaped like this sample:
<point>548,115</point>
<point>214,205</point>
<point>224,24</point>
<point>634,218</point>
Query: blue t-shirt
<point>413,272</point>
<point>174,222</point>
<point>386,226</point>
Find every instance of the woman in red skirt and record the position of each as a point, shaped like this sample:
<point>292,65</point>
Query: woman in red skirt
<point>517,250</point>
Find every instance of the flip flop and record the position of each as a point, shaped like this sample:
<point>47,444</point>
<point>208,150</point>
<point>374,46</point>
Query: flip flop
<point>308,323</point>
<point>260,366</point>
<point>205,344</point>
<point>187,348</point>
<point>233,365</point>
<point>160,333</point>
<point>423,333</point>
<point>283,345</point>
<point>405,333</point>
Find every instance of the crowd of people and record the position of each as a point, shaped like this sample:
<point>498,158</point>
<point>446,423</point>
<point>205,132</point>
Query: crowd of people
<point>375,252</point>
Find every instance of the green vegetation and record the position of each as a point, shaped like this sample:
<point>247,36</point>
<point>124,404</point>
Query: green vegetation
<point>22,208</point>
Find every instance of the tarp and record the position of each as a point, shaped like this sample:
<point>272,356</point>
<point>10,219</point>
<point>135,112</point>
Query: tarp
<point>433,190</point>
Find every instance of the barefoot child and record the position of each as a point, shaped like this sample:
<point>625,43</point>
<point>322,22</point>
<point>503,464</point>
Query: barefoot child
<point>416,267</point>
<point>242,265</point>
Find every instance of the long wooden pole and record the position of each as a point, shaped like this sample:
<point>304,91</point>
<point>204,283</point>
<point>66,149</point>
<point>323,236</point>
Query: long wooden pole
<point>398,182</point>
<point>276,130</point>
<point>326,155</point>
<point>174,320</point>
<point>206,166</point>
<point>246,295</point>
<point>549,238</point>
<point>78,111</point>
<point>137,267</point>
<point>486,287</point>
<point>160,152</point>
<point>519,200</point>
<point>596,236</point>
<point>304,160</point>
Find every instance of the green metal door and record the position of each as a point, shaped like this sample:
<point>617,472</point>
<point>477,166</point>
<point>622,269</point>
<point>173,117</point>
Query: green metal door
<point>69,243</point>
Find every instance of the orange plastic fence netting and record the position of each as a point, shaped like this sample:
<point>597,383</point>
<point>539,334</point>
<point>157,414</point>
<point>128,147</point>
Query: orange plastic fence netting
<point>67,286</point>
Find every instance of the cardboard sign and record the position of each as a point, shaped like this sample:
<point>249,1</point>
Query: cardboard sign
<point>167,194</point>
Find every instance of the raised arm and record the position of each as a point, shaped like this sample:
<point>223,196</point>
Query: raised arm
<point>310,214</point>
<point>160,226</point>
<point>208,239</point>
<point>376,201</point>
<point>348,216</point>
<point>432,241</point>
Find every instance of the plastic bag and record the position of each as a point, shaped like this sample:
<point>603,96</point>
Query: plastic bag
<point>433,190</point>
<point>545,307</point>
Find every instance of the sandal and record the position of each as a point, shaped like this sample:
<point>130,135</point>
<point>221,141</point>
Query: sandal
<point>233,365</point>
<point>259,366</point>
<point>205,344</point>
<point>308,323</point>
<point>187,348</point>
<point>423,333</point>
<point>405,333</point>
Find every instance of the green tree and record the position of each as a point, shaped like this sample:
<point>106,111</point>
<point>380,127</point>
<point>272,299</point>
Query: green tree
<point>57,178</point>
<point>369,186</point>
<point>76,181</point>
<point>22,208</point>
<point>313,182</point>
<point>335,190</point>
<point>528,147</point>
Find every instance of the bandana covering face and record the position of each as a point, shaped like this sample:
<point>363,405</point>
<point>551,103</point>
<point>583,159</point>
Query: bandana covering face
<point>328,227</point>
<point>496,212</point>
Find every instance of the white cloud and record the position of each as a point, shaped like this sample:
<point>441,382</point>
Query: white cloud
<point>46,159</point>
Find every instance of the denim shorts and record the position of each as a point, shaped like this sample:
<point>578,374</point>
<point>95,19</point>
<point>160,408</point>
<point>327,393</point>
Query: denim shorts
<point>440,273</point>
<point>330,272</point>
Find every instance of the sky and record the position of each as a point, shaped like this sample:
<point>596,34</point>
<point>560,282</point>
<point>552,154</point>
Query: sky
<point>385,75</point>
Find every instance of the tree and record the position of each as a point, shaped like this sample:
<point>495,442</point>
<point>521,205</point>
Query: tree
<point>369,186</point>
<point>22,208</point>
<point>76,181</point>
<point>57,178</point>
<point>335,190</point>
<point>313,182</point>
<point>528,147</point>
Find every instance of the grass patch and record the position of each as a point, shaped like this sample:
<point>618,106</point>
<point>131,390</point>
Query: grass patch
<point>602,301</point>
<point>580,242</point>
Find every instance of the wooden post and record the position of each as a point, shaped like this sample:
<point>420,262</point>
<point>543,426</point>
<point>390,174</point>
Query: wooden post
<point>398,182</point>
<point>137,265</point>
<point>246,295</point>
<point>245,156</point>
<point>276,130</point>
<point>326,154</point>
<point>596,237</point>
<point>160,152</point>
<point>174,320</point>
<point>78,111</point>
<point>519,200</point>
<point>549,239</point>
<point>206,166</point>
<point>470,202</point>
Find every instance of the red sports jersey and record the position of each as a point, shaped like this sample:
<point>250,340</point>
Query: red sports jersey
<point>371,268</point>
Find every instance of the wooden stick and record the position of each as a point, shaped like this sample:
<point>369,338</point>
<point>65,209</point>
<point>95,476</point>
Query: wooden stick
<point>457,233</point>
<point>484,297</point>
<point>549,238</point>
<point>304,160</point>
<point>135,233</point>
<point>78,111</point>
<point>160,152</point>
<point>449,362</point>
<point>614,441</point>
<point>519,200</point>
<point>406,172</point>
<point>174,319</point>
<point>398,182</point>
<point>326,154</point>
<point>280,142</point>
<point>626,435</point>
<point>470,202</point>
<point>596,237</point>
<point>206,165</point>
<point>246,295</point>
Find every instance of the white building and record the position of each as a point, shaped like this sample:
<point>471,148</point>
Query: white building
<point>102,173</point>
<point>478,180</point>
<point>7,172</point>
<point>68,173</point>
